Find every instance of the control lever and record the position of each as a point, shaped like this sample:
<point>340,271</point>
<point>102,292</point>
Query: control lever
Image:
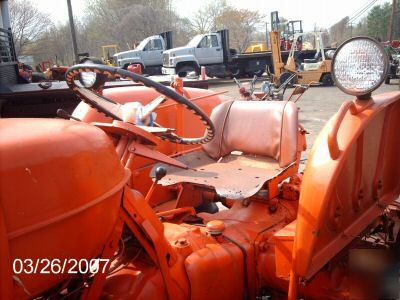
<point>239,84</point>
<point>252,84</point>
<point>65,115</point>
<point>159,174</point>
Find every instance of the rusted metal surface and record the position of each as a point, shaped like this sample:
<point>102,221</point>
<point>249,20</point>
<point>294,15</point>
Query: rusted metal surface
<point>235,176</point>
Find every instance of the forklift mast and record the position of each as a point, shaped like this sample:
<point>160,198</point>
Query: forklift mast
<point>276,55</point>
<point>274,21</point>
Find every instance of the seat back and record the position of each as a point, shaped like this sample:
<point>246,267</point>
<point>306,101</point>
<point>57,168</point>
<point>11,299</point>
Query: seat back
<point>267,128</point>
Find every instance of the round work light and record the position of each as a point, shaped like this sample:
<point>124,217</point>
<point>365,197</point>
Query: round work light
<point>359,66</point>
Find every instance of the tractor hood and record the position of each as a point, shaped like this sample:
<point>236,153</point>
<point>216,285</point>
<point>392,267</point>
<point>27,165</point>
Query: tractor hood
<point>61,187</point>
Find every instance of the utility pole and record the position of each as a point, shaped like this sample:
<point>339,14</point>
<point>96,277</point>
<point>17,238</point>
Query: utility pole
<point>73,35</point>
<point>391,20</point>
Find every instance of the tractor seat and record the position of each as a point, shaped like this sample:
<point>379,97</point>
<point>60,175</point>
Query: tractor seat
<point>316,59</point>
<point>255,141</point>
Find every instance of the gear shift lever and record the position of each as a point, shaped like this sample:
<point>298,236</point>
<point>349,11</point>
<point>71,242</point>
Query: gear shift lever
<point>159,174</point>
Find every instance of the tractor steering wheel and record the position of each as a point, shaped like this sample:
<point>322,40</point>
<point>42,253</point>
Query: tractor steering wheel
<point>112,109</point>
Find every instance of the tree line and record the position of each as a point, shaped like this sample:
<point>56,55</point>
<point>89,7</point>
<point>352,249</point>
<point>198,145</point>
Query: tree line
<point>127,22</point>
<point>124,23</point>
<point>375,24</point>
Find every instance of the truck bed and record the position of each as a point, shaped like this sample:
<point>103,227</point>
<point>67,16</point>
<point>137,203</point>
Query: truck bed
<point>267,55</point>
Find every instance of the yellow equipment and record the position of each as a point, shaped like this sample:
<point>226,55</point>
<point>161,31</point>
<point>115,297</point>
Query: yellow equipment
<point>311,70</point>
<point>256,47</point>
<point>107,56</point>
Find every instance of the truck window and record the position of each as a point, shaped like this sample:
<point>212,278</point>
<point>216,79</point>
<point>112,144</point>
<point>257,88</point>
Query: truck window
<point>203,43</point>
<point>208,41</point>
<point>214,41</point>
<point>157,45</point>
<point>147,47</point>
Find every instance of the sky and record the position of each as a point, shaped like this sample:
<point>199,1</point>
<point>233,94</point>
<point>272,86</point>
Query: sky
<point>319,13</point>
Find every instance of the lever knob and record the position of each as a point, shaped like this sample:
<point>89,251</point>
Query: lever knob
<point>160,173</point>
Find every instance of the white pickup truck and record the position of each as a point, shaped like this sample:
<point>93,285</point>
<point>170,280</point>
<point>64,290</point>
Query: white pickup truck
<point>212,51</point>
<point>148,53</point>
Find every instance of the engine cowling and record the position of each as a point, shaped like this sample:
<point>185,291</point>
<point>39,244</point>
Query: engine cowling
<point>61,187</point>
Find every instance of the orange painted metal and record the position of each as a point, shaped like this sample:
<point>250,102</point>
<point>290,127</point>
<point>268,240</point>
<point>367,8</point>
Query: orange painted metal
<point>135,68</point>
<point>51,185</point>
<point>327,225</point>
<point>166,116</point>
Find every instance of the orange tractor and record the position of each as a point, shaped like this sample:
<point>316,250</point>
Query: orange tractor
<point>52,72</point>
<point>115,203</point>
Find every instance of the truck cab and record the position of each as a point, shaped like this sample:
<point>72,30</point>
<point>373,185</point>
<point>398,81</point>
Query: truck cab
<point>208,49</point>
<point>212,51</point>
<point>202,50</point>
<point>148,53</point>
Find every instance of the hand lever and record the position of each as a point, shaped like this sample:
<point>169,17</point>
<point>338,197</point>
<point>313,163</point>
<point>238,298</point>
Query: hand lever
<point>159,174</point>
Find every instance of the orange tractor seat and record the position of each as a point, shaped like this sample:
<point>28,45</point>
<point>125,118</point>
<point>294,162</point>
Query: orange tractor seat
<point>255,141</point>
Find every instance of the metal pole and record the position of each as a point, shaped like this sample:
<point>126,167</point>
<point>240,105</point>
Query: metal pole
<point>391,21</point>
<point>72,27</point>
<point>5,14</point>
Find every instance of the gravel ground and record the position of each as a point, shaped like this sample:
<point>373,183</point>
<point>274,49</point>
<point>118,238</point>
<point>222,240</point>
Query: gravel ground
<point>317,105</point>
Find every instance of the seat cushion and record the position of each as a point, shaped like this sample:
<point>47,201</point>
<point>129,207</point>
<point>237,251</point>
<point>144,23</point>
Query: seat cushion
<point>267,128</point>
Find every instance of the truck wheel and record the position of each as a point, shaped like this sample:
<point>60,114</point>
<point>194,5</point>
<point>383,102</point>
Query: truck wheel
<point>187,69</point>
<point>284,76</point>
<point>327,79</point>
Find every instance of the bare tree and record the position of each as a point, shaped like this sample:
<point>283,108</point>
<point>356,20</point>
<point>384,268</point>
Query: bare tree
<point>126,23</point>
<point>242,24</point>
<point>205,19</point>
<point>120,22</point>
<point>28,23</point>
